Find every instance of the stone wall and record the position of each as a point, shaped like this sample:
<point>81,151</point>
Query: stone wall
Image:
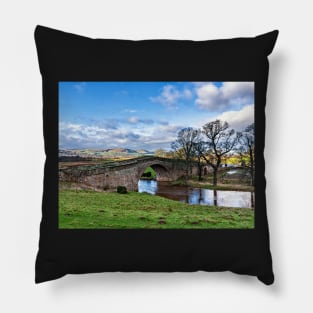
<point>126,173</point>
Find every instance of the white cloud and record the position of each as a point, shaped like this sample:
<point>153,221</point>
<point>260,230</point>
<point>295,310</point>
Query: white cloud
<point>208,96</point>
<point>133,120</point>
<point>148,136</point>
<point>129,111</point>
<point>187,94</point>
<point>238,119</point>
<point>212,97</point>
<point>170,96</point>
<point>86,136</point>
<point>80,87</point>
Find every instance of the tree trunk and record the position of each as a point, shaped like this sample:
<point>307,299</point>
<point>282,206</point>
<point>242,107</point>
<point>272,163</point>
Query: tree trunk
<point>215,176</point>
<point>186,176</point>
<point>215,197</point>
<point>251,167</point>
<point>187,171</point>
<point>215,170</point>
<point>199,171</point>
<point>252,176</point>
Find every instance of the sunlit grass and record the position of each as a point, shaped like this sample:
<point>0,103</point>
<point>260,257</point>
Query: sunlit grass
<point>90,209</point>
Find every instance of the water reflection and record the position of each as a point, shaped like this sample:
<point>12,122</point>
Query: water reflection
<point>238,199</point>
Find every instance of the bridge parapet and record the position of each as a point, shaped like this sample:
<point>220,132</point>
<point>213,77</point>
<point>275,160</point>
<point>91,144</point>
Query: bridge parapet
<point>125,173</point>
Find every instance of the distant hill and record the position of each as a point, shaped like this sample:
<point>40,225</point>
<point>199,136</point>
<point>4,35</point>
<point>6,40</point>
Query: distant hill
<point>102,153</point>
<point>144,151</point>
<point>120,150</point>
<point>126,150</point>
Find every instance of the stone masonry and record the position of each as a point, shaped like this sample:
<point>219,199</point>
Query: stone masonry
<point>123,173</point>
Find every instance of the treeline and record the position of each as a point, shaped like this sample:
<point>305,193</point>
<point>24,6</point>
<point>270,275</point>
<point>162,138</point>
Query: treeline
<point>211,144</point>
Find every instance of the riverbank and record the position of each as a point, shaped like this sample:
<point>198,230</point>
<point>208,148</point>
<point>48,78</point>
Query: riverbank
<point>207,185</point>
<point>91,209</point>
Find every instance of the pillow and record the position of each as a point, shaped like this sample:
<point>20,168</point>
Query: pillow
<point>154,155</point>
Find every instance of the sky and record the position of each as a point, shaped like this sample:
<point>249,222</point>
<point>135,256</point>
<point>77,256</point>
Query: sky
<point>146,115</point>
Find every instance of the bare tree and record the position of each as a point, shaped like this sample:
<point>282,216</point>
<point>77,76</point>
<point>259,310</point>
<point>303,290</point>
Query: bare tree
<point>199,150</point>
<point>220,141</point>
<point>184,144</point>
<point>246,150</point>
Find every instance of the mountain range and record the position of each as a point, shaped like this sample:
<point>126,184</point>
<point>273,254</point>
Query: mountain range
<point>102,153</point>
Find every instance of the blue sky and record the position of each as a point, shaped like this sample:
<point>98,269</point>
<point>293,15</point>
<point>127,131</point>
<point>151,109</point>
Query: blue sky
<point>146,115</point>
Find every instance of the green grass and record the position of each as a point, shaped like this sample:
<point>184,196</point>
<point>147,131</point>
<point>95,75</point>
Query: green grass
<point>207,185</point>
<point>90,209</point>
<point>206,182</point>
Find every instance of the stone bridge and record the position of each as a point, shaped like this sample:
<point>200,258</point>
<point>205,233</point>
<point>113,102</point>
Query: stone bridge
<point>123,173</point>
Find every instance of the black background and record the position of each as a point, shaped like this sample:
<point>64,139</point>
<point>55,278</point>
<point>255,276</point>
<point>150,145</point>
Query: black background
<point>67,57</point>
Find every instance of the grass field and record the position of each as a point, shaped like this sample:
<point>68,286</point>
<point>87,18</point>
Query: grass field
<point>90,209</point>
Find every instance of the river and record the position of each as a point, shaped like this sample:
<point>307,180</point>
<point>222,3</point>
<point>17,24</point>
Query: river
<point>191,195</point>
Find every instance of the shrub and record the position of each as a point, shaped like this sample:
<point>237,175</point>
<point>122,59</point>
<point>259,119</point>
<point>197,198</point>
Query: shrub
<point>148,174</point>
<point>121,189</point>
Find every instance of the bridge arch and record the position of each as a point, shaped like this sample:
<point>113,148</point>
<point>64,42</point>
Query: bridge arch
<point>162,172</point>
<point>122,173</point>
